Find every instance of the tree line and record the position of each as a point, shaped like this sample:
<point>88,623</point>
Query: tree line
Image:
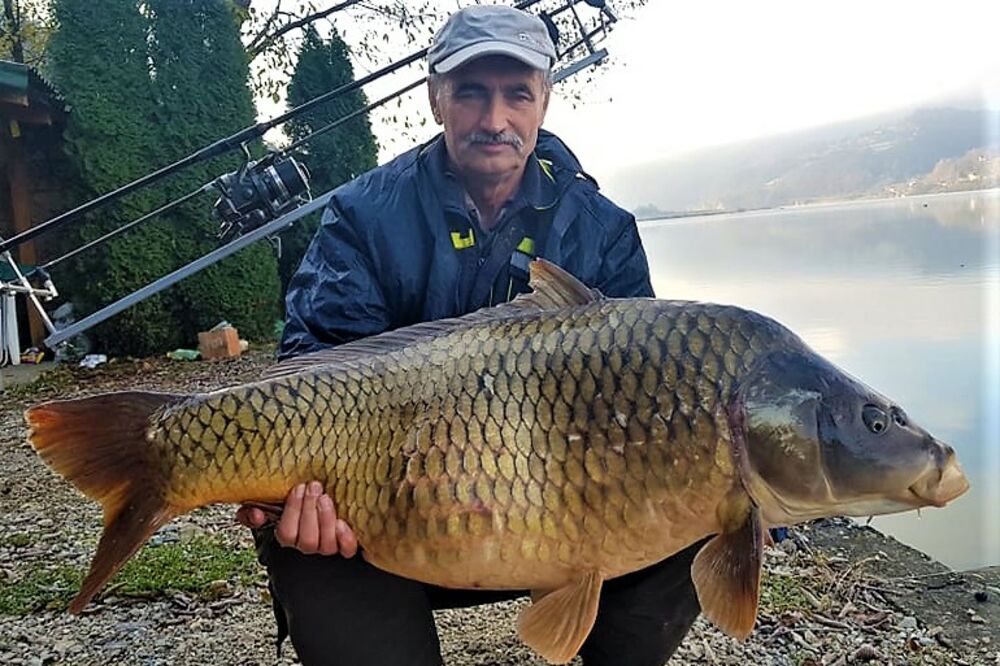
<point>149,83</point>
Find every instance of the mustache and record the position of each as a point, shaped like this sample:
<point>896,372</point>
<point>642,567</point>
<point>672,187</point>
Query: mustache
<point>507,138</point>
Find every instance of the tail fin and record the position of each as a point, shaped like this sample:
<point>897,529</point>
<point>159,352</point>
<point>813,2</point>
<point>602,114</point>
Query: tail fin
<point>99,444</point>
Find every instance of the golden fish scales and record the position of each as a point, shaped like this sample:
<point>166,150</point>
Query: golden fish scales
<point>547,445</point>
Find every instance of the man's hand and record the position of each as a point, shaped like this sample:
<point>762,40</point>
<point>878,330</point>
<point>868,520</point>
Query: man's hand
<point>308,523</point>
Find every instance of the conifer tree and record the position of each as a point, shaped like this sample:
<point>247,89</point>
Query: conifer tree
<point>201,76</point>
<point>148,84</point>
<point>337,156</point>
<point>98,58</point>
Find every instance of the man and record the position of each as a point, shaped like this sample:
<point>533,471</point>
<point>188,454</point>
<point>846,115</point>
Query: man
<point>440,231</point>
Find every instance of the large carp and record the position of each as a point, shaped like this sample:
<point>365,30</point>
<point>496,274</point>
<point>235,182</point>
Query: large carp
<point>547,444</point>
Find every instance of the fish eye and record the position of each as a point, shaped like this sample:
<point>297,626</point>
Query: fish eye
<point>875,418</point>
<point>898,417</point>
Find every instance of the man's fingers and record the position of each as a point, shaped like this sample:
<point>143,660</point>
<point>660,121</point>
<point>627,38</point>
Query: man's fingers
<point>309,523</point>
<point>327,526</point>
<point>243,517</point>
<point>308,537</point>
<point>347,542</point>
<point>287,532</point>
<point>249,516</point>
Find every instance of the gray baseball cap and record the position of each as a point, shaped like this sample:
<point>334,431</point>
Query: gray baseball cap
<point>482,30</point>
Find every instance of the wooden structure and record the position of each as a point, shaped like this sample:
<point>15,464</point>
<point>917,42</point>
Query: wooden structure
<point>32,163</point>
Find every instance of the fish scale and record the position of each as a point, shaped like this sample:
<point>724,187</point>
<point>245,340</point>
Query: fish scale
<point>545,445</point>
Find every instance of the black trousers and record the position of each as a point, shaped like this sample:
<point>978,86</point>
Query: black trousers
<point>346,612</point>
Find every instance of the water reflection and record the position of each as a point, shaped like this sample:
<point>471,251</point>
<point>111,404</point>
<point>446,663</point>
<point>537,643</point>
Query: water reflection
<point>903,294</point>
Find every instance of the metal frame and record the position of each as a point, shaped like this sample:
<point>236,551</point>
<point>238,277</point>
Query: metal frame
<point>203,262</point>
<point>20,285</point>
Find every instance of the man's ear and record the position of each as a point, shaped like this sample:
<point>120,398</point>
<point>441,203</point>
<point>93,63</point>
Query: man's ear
<point>432,97</point>
<point>546,96</point>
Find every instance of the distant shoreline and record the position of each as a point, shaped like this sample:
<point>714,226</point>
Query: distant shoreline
<point>683,215</point>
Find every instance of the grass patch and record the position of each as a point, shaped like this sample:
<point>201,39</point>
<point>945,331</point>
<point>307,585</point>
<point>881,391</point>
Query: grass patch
<point>782,593</point>
<point>182,567</point>
<point>38,589</point>
<point>185,567</point>
<point>16,540</point>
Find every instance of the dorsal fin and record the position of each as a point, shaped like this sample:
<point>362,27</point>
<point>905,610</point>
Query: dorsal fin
<point>552,289</point>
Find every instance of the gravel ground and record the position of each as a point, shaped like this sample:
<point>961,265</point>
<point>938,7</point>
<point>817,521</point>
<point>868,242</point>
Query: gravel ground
<point>820,607</point>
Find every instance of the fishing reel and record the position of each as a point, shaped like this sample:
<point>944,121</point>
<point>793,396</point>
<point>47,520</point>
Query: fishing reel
<point>259,192</point>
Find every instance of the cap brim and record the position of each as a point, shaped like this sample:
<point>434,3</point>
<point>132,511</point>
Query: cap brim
<point>469,53</point>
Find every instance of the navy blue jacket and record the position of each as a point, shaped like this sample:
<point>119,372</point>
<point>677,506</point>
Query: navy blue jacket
<point>398,245</point>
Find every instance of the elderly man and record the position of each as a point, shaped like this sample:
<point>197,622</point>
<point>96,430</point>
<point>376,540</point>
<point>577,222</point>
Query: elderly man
<point>440,231</point>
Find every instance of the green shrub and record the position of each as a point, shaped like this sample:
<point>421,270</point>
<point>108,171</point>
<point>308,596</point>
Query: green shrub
<point>148,84</point>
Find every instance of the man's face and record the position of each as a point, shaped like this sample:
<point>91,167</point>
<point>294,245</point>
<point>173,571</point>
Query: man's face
<point>491,110</point>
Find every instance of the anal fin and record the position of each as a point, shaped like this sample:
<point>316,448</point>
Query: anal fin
<point>726,576</point>
<point>558,622</point>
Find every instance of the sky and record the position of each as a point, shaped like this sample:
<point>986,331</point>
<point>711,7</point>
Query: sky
<point>695,74</point>
<point>687,75</point>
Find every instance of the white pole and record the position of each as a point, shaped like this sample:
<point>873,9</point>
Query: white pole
<point>10,349</point>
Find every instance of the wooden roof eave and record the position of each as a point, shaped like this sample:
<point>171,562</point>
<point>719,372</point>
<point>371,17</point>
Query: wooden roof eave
<point>26,97</point>
<point>32,114</point>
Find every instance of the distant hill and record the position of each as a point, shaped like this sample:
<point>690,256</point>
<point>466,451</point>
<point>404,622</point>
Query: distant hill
<point>933,149</point>
<point>977,169</point>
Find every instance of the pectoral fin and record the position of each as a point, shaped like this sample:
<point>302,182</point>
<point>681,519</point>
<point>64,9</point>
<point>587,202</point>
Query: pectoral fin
<point>726,575</point>
<point>558,622</point>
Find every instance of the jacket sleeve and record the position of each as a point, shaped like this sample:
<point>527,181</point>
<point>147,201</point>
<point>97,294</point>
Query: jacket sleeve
<point>624,271</point>
<point>334,296</point>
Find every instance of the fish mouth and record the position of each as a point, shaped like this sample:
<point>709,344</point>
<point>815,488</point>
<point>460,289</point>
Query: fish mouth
<point>938,489</point>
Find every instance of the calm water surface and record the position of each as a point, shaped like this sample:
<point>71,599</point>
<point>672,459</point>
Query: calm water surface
<point>904,294</point>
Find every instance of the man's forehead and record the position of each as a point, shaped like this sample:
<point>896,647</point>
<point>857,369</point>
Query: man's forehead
<point>494,67</point>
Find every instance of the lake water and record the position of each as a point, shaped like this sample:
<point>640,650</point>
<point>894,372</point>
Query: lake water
<point>904,294</point>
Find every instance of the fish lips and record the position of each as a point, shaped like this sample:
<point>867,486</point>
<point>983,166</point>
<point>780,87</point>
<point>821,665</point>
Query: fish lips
<point>942,485</point>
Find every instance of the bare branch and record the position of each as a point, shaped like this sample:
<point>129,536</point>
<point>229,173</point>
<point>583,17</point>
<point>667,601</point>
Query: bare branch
<point>267,25</point>
<point>264,39</point>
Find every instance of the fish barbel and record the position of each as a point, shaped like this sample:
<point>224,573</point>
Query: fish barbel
<point>547,444</point>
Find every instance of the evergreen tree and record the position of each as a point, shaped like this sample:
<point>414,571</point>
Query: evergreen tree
<point>99,62</point>
<point>336,156</point>
<point>149,82</point>
<point>201,77</point>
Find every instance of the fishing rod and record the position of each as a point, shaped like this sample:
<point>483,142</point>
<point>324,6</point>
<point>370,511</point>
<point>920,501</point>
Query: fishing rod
<point>238,243</point>
<point>218,148</point>
<point>264,196</point>
<point>285,178</point>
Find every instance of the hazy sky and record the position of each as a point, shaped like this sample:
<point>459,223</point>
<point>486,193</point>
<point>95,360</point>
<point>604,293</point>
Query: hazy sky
<point>692,74</point>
